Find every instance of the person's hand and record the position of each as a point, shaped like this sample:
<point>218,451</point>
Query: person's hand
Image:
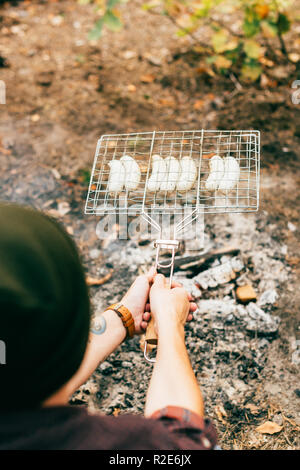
<point>137,300</point>
<point>170,307</point>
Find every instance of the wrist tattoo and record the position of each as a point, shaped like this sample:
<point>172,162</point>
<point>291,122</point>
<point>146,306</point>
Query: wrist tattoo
<point>98,325</point>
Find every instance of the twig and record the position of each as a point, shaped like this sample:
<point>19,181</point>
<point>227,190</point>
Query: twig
<point>225,26</point>
<point>235,81</point>
<point>185,30</point>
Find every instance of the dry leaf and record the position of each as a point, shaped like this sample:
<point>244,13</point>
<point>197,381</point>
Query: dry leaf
<point>253,408</point>
<point>205,69</point>
<point>208,155</point>
<point>266,82</point>
<point>147,78</point>
<point>131,88</point>
<point>293,260</point>
<point>5,151</point>
<point>269,428</point>
<point>166,102</point>
<point>92,281</point>
<point>198,104</point>
<point>221,413</point>
<point>294,57</point>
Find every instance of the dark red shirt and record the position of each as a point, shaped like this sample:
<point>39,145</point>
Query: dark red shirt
<point>72,427</point>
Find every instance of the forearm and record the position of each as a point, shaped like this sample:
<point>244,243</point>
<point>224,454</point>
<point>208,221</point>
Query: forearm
<point>99,347</point>
<point>173,381</point>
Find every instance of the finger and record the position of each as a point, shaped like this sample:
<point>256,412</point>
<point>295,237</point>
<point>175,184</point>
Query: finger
<point>159,280</point>
<point>189,317</point>
<point>144,325</point>
<point>176,284</point>
<point>146,316</point>
<point>193,307</point>
<point>151,273</point>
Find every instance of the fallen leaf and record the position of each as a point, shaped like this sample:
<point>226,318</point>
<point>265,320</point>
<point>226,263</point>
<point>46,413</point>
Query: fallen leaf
<point>222,63</point>
<point>206,156</point>
<point>266,82</point>
<point>148,78</point>
<point>294,57</point>
<point>221,413</point>
<point>265,61</point>
<point>210,96</point>
<point>269,428</point>
<point>262,10</point>
<point>253,408</point>
<point>293,260</point>
<point>116,411</point>
<point>198,104</point>
<point>92,281</point>
<point>166,102</point>
<point>5,151</point>
<point>131,88</point>
<point>205,69</point>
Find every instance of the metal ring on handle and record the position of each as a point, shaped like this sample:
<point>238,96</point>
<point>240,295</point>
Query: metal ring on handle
<point>148,359</point>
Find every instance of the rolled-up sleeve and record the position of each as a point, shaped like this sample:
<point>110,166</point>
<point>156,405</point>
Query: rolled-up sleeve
<point>188,430</point>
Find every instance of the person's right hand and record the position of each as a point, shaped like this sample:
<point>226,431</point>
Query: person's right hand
<point>169,307</point>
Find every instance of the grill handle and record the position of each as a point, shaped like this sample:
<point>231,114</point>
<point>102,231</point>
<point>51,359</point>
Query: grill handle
<point>151,336</point>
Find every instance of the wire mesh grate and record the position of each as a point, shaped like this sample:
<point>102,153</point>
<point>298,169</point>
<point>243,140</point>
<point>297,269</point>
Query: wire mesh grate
<point>200,145</point>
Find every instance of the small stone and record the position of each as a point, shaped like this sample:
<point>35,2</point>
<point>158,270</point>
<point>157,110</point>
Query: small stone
<point>291,227</point>
<point>129,55</point>
<point>297,392</point>
<point>126,364</point>
<point>106,368</point>
<point>245,293</point>
<point>268,297</point>
<point>95,253</point>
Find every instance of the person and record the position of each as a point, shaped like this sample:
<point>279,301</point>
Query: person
<point>52,348</point>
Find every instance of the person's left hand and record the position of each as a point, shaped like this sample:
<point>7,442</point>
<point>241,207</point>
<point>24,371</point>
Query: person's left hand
<point>137,300</point>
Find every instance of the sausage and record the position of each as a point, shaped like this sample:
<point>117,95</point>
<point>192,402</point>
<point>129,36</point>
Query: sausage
<point>171,175</point>
<point>158,173</point>
<point>116,177</point>
<point>231,174</point>
<point>188,174</point>
<point>215,176</point>
<point>132,172</point>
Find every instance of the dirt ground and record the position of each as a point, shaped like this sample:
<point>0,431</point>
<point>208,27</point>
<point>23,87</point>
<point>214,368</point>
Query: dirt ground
<point>62,93</point>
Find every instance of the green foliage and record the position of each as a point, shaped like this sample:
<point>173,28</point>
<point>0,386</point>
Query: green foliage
<point>248,37</point>
<point>109,16</point>
<point>252,30</point>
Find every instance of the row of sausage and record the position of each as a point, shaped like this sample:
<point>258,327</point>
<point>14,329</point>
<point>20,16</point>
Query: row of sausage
<point>170,174</point>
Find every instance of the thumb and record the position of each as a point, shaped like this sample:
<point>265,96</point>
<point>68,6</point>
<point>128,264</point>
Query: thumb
<point>159,280</point>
